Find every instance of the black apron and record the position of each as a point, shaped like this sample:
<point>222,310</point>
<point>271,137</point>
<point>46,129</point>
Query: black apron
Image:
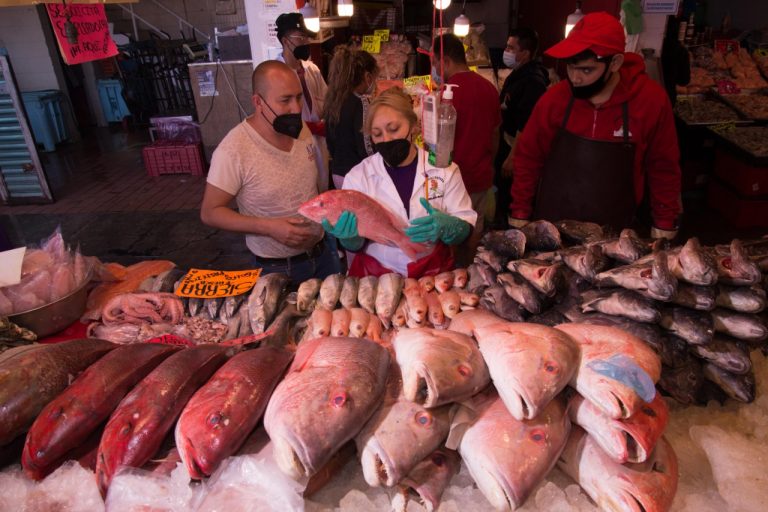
<point>588,180</point>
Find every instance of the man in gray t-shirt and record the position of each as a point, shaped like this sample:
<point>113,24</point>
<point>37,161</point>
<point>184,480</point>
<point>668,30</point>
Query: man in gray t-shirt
<point>267,164</point>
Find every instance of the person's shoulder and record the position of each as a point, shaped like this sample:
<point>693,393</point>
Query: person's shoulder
<point>235,138</point>
<point>650,92</point>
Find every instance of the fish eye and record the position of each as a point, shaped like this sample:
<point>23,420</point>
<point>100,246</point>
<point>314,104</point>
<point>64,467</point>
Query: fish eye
<point>214,419</point>
<point>464,370</point>
<point>649,412</point>
<point>320,203</point>
<point>550,366</point>
<point>438,459</point>
<point>538,436</point>
<point>339,399</point>
<point>424,419</point>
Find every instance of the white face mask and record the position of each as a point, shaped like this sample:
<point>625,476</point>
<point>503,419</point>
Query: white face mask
<point>510,59</point>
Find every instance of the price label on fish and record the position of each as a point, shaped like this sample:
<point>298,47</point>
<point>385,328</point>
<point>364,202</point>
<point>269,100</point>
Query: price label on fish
<point>212,284</point>
<point>382,34</point>
<point>372,44</point>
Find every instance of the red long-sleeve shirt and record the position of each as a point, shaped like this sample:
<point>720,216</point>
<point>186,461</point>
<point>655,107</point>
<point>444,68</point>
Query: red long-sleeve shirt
<point>651,127</point>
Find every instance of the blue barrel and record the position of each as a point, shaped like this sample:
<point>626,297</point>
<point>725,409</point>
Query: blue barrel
<point>112,103</point>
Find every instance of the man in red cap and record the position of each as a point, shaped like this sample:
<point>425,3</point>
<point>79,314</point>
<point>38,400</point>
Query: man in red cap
<point>597,144</point>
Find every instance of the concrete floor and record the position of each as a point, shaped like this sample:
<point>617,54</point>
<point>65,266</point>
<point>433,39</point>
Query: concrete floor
<point>106,204</point>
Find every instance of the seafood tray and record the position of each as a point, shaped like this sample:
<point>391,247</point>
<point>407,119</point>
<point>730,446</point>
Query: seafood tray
<point>749,142</point>
<point>701,110</point>
<point>750,106</point>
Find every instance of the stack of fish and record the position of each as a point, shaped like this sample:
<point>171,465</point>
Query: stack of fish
<point>698,307</point>
<point>370,305</point>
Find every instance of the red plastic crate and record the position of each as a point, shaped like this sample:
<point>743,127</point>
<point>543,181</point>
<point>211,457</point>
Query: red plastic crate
<point>171,157</point>
<point>739,211</point>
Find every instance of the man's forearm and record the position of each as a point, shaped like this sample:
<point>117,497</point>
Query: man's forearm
<point>223,217</point>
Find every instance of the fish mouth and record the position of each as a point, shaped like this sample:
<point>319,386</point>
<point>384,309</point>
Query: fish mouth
<point>378,469</point>
<point>635,451</point>
<point>496,490</point>
<point>288,459</point>
<point>519,406</point>
<point>425,389</point>
<point>619,405</point>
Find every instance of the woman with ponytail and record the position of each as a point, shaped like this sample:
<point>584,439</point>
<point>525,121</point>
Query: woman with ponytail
<point>351,84</point>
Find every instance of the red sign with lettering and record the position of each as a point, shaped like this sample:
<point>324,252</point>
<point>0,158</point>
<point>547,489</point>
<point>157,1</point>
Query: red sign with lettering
<point>93,39</point>
<point>727,46</point>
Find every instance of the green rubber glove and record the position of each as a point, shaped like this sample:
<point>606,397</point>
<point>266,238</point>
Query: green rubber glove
<point>437,226</point>
<point>633,16</point>
<point>345,230</point>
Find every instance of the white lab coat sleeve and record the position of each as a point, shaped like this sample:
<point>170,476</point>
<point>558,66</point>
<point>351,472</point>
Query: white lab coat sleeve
<point>456,199</point>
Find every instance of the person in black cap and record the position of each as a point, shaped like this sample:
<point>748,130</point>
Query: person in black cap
<point>295,37</point>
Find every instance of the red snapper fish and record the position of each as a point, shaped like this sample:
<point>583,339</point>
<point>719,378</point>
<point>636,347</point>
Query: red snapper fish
<point>617,371</point>
<point>529,364</point>
<point>220,415</point>
<point>67,421</point>
<point>138,426</point>
<point>374,221</point>
<point>646,487</point>
<point>332,388</point>
<point>33,375</point>
<point>506,457</point>
<point>629,440</point>
<point>428,480</point>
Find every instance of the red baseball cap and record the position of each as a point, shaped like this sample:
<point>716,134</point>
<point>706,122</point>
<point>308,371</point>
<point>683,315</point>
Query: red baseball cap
<point>597,31</point>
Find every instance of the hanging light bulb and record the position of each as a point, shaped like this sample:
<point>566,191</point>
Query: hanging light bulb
<point>441,4</point>
<point>573,18</point>
<point>346,8</point>
<point>311,18</point>
<point>461,25</point>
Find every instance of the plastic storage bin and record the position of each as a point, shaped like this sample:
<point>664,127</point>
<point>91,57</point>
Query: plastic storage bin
<point>44,113</point>
<point>112,103</point>
<point>172,157</point>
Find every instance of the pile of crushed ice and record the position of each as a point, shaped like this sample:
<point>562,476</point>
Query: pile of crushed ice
<point>722,452</point>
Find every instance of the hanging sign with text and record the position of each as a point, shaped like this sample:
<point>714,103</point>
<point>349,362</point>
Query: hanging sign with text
<point>93,39</point>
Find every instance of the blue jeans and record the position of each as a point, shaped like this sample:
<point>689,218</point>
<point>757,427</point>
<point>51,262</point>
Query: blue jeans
<point>325,264</point>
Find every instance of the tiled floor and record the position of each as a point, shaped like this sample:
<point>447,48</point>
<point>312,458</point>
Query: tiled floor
<point>105,173</point>
<point>108,206</point>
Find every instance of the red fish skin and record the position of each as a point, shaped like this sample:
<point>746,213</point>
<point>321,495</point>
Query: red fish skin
<point>35,375</point>
<point>66,422</point>
<point>374,220</point>
<point>220,415</point>
<point>136,429</point>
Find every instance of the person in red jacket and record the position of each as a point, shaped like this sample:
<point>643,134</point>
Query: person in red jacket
<point>597,142</point>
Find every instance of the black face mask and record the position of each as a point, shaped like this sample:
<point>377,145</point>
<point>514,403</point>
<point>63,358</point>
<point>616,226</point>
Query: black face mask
<point>301,52</point>
<point>394,151</point>
<point>286,124</point>
<point>584,92</point>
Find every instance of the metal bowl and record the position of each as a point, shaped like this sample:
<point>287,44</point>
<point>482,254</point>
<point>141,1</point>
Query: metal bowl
<point>55,316</point>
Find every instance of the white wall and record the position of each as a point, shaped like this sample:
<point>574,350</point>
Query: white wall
<point>22,32</point>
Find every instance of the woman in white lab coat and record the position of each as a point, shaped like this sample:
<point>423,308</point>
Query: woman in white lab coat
<point>431,199</point>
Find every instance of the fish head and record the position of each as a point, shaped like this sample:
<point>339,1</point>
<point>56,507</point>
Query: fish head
<point>683,382</point>
<point>740,266</point>
<point>404,433</point>
<point>662,284</point>
<point>644,428</point>
<point>530,364</point>
<point>431,476</point>
<point>439,366</point>
<point>493,446</point>
<point>199,450</point>
<point>323,206</point>
<point>698,266</point>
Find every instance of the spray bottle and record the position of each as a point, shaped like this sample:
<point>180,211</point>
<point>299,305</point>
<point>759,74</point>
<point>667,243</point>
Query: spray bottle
<point>441,154</point>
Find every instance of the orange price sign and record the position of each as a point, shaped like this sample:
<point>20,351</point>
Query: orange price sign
<point>213,284</point>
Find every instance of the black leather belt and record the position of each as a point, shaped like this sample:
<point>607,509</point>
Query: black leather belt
<point>312,253</point>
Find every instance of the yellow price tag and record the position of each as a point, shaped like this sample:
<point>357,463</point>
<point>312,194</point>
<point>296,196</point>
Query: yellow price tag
<point>466,48</point>
<point>383,34</point>
<point>473,68</point>
<point>372,44</point>
<point>415,81</point>
<point>762,52</point>
<point>212,284</point>
<point>419,141</point>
